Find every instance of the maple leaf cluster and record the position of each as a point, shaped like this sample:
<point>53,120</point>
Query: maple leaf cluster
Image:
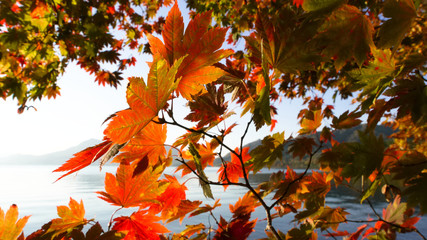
<point>309,50</point>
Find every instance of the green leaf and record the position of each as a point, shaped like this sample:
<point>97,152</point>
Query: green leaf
<point>416,192</point>
<point>371,190</point>
<point>331,217</point>
<point>378,75</point>
<point>410,97</point>
<point>270,150</point>
<point>347,34</point>
<point>283,43</point>
<point>316,5</point>
<point>305,232</point>
<point>202,176</point>
<point>366,156</point>
<point>382,66</point>
<point>401,13</point>
<point>347,120</point>
<point>356,158</point>
<point>395,212</point>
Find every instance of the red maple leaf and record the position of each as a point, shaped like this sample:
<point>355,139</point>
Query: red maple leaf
<point>148,142</point>
<point>238,228</point>
<point>233,169</point>
<point>84,158</point>
<point>207,157</point>
<point>127,190</point>
<point>140,225</point>
<point>200,44</point>
<point>170,199</point>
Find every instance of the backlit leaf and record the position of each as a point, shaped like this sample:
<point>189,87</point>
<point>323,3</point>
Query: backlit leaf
<point>172,33</point>
<point>401,14</point>
<point>145,100</point>
<point>127,191</point>
<point>10,226</point>
<point>332,215</point>
<point>184,207</point>
<point>148,142</point>
<point>395,211</point>
<point>140,225</point>
<point>311,121</point>
<point>208,107</point>
<point>347,34</point>
<point>233,170</point>
<point>201,47</point>
<point>71,216</point>
<point>270,150</point>
<point>301,146</point>
<point>237,228</point>
<point>169,200</point>
<point>370,191</point>
<point>84,158</point>
<point>316,5</point>
<point>202,176</point>
<point>192,229</point>
<point>205,208</point>
<point>244,206</point>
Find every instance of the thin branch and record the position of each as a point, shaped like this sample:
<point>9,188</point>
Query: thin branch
<point>298,178</point>
<point>246,184</point>
<point>207,181</point>
<point>175,123</point>
<point>330,234</point>
<point>111,218</point>
<point>244,134</point>
<point>224,164</point>
<point>394,224</point>
<point>219,225</point>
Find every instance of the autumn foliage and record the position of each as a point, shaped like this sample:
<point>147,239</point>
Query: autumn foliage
<point>372,52</point>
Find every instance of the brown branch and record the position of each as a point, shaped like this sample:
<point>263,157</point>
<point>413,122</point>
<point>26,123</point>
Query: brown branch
<point>296,179</point>
<point>246,184</point>
<point>394,224</point>
<point>207,181</point>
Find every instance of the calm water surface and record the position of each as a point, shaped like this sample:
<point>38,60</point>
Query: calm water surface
<point>34,190</point>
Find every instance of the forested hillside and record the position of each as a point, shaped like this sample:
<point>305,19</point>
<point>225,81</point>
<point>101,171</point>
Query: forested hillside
<point>342,135</point>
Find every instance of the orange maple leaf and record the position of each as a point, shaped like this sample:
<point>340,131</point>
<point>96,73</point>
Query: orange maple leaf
<point>40,10</point>
<point>70,217</point>
<point>126,190</point>
<point>298,3</point>
<point>311,121</point>
<point>200,43</point>
<point>233,170</point>
<point>244,206</point>
<point>145,100</point>
<point>140,225</point>
<point>237,228</point>
<point>10,226</point>
<point>150,142</point>
<point>170,199</point>
<point>185,206</point>
<point>207,157</point>
<point>319,183</point>
<point>84,158</point>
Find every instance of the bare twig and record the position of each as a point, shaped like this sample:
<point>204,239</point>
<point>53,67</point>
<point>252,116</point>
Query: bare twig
<point>298,178</point>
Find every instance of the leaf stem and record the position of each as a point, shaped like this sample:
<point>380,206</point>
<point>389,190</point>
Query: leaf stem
<point>111,218</point>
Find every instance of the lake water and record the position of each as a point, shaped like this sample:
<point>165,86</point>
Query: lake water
<point>34,190</point>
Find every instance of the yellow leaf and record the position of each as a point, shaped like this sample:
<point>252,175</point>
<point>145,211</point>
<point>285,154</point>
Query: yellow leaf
<point>10,226</point>
<point>69,217</point>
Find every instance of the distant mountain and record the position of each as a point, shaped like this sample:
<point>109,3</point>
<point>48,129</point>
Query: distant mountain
<point>55,158</point>
<point>343,135</point>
